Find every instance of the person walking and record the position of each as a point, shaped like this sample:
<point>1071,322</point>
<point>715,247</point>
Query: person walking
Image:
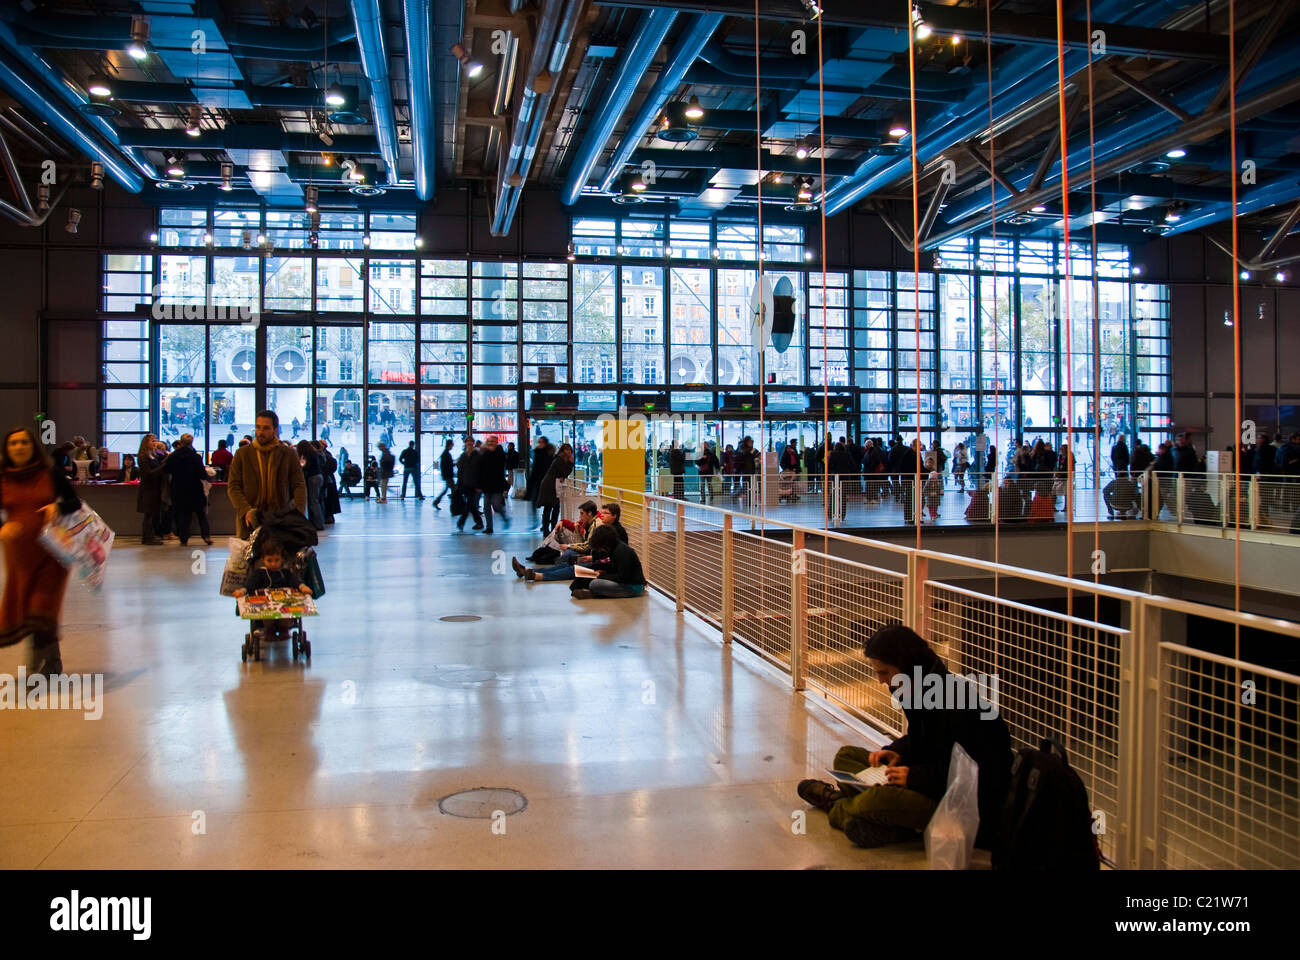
<point>543,454</point>
<point>309,460</point>
<point>184,468</point>
<point>1119,457</point>
<point>466,486</point>
<point>411,468</point>
<point>677,467</point>
<point>31,492</point>
<point>265,476</point>
<point>148,498</point>
<point>387,468</point>
<point>909,476</point>
<point>548,496</point>
<point>706,464</point>
<point>492,481</point>
<point>447,469</point>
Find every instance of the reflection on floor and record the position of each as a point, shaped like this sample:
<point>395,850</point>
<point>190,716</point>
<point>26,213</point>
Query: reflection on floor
<point>635,737</point>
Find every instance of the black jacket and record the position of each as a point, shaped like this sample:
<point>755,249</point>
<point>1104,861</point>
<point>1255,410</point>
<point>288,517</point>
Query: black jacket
<point>624,566</point>
<point>542,459</point>
<point>926,750</point>
<point>1185,459</point>
<point>290,528</point>
<point>1119,458</point>
<point>1265,458</point>
<point>386,462</point>
<point>447,466</point>
<point>492,471</point>
<point>263,579</point>
<point>1142,458</point>
<point>677,461</point>
<point>185,467</point>
<point>1164,462</point>
<point>467,472</point>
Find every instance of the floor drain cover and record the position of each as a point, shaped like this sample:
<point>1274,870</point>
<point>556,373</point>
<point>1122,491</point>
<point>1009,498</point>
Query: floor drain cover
<point>460,618</point>
<point>482,802</point>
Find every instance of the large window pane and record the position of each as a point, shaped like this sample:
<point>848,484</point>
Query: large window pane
<point>593,323</point>
<point>392,353</point>
<point>288,283</point>
<point>339,353</point>
<point>643,324</point>
<point>288,355</point>
<point>340,284</point>
<point>181,353</point>
<point>392,286</point>
<point>691,325</point>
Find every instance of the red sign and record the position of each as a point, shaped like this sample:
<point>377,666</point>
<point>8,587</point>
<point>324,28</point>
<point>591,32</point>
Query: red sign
<point>393,376</point>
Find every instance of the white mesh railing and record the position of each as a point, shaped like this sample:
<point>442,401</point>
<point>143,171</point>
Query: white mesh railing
<point>1180,771</point>
<point>1229,771</point>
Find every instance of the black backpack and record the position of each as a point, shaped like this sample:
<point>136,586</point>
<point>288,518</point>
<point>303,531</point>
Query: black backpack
<point>1047,820</point>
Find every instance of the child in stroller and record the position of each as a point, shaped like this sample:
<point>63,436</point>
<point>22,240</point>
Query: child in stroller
<point>273,574</point>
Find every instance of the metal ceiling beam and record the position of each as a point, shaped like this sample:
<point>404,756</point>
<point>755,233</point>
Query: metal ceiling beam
<point>739,158</point>
<point>1196,129</point>
<point>989,168</point>
<point>1159,99</point>
<point>264,137</point>
<point>1053,149</point>
<point>1272,243</point>
<point>1121,39</point>
<point>1260,39</point>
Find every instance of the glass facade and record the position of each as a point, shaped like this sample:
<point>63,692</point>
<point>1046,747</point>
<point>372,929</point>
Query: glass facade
<point>362,341</point>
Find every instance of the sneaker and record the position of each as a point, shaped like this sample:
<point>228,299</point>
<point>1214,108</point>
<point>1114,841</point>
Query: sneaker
<point>477,526</point>
<point>487,531</point>
<point>819,794</point>
<point>580,594</point>
<point>865,833</point>
<point>520,570</point>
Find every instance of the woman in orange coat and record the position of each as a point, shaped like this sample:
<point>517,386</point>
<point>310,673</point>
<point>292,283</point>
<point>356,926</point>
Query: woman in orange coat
<point>31,490</point>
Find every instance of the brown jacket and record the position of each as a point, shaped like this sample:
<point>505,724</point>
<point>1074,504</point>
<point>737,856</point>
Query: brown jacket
<point>245,485</point>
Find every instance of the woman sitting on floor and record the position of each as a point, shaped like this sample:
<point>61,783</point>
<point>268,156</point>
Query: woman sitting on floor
<point>618,566</point>
<point>916,775</point>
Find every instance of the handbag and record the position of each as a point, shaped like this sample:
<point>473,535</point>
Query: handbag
<point>81,541</point>
<point>311,574</point>
<point>1058,488</point>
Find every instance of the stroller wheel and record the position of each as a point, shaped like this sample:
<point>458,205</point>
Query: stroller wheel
<point>243,653</point>
<point>306,646</point>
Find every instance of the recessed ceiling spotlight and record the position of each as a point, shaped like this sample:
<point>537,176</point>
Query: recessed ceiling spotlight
<point>898,129</point>
<point>98,87</point>
<point>1038,208</point>
<point>1172,215</point>
<point>1176,154</point>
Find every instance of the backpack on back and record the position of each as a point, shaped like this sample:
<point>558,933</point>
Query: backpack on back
<point>1047,821</point>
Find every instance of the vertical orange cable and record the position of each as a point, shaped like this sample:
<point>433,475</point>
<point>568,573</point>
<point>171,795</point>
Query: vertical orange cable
<point>1236,426</point>
<point>826,353</point>
<point>993,205</point>
<point>917,499</point>
<point>762,346</point>
<point>1068,298</point>
<point>1096,341</point>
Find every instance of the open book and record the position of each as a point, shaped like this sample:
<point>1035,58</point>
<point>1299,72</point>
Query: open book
<point>857,782</point>
<point>584,573</point>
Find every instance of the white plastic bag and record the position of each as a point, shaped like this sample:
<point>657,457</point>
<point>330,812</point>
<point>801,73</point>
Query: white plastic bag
<point>235,574</point>
<point>81,542</point>
<point>950,835</point>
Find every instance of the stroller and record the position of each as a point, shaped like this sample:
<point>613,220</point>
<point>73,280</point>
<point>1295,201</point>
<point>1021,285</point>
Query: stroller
<point>296,535</point>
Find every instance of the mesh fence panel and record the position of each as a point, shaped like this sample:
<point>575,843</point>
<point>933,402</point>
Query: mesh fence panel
<point>1229,783</point>
<point>761,581</point>
<point>847,602</point>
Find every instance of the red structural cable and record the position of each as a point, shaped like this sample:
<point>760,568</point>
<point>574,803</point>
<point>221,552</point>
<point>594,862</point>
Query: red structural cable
<point>1068,298</point>
<point>1096,342</point>
<point>915,492</point>
<point>826,353</point>
<point>1236,323</point>
<point>993,203</point>
<point>762,310</point>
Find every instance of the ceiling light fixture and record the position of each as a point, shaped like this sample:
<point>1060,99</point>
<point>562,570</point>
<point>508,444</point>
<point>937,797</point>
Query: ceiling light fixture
<point>570,255</point>
<point>1136,270</point>
<point>195,118</point>
<point>334,96</point>
<point>812,8</point>
<point>98,87</point>
<point>227,175</point>
<point>898,129</point>
<point>96,175</point>
<point>207,239</point>
<point>472,67</point>
<point>693,109</point>
<point>1172,215</point>
<point>1038,208</point>
<point>919,25</point>
<point>675,126</point>
<point>1176,154</point>
<point>365,240</point>
<point>1245,274</point>
<point>153,238</point>
<point>138,49</point>
<point>312,194</point>
<point>1280,276</point>
<point>74,218</point>
<point>801,151</point>
<point>631,188</point>
<point>175,168</point>
<point>956,39</point>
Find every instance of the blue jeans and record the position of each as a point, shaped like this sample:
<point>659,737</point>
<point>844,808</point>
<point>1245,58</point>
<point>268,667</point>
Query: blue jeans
<point>563,570</point>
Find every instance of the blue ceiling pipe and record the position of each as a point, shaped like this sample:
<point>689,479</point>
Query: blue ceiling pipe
<point>555,32</point>
<point>31,92</point>
<point>684,53</point>
<point>641,49</point>
<point>419,72</point>
<point>1021,76</point>
<point>72,97</point>
<point>1252,201</point>
<point>374,63</point>
<point>1118,135</point>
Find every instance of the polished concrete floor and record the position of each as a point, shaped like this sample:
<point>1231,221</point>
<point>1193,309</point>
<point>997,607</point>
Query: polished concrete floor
<point>637,739</point>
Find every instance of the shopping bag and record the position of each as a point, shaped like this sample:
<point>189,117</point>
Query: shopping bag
<point>310,569</point>
<point>237,567</point>
<point>1058,488</point>
<point>950,835</point>
<point>80,541</point>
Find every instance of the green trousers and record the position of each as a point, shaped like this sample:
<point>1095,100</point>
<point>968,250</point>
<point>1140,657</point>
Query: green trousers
<point>888,805</point>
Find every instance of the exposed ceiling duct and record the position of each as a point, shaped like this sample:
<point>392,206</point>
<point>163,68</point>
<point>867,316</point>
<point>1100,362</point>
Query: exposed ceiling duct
<point>374,63</point>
